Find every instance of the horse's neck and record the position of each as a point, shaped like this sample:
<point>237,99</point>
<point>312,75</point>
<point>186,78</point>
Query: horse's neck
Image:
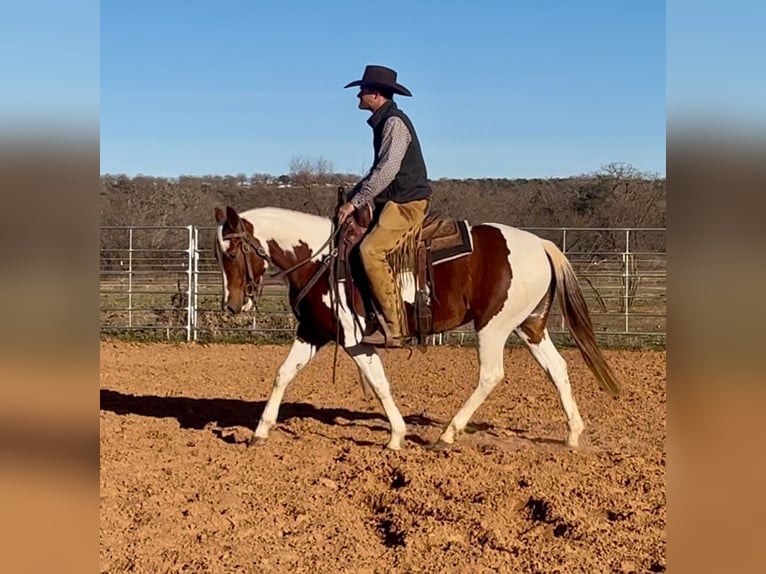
<point>290,236</point>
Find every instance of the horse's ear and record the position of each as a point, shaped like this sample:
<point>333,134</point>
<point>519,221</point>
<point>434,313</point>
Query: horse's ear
<point>232,217</point>
<point>220,216</point>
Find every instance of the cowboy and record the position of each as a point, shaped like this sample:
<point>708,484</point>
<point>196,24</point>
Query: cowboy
<point>396,188</point>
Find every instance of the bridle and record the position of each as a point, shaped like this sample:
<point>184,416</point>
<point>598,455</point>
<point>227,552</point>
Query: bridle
<point>253,287</point>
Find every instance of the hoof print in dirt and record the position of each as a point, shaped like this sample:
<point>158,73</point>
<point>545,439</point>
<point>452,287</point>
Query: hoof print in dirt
<point>398,479</point>
<point>233,435</point>
<point>539,511</point>
<point>390,534</point>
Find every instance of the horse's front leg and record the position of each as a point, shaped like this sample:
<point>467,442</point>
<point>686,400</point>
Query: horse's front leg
<point>299,356</point>
<point>371,367</point>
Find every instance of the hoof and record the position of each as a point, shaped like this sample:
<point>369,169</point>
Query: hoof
<point>573,441</point>
<point>256,441</point>
<point>440,445</point>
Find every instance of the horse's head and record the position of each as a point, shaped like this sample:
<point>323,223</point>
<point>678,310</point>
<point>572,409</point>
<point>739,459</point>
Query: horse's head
<point>241,259</point>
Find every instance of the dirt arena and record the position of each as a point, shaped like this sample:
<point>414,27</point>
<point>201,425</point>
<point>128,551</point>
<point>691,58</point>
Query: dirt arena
<point>181,492</point>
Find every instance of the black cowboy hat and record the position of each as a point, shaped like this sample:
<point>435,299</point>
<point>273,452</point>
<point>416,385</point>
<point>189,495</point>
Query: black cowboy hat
<point>380,77</point>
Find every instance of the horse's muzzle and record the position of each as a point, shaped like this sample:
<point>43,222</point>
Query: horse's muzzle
<point>236,308</point>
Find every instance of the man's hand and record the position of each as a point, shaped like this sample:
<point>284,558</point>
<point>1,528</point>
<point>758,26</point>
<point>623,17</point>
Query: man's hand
<point>344,211</point>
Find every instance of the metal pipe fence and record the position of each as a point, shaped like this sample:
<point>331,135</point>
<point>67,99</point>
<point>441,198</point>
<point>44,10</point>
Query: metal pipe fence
<point>164,283</point>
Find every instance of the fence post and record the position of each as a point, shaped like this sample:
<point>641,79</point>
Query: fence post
<point>563,326</point>
<point>626,276</point>
<point>130,277</point>
<point>195,290</point>
<point>189,279</point>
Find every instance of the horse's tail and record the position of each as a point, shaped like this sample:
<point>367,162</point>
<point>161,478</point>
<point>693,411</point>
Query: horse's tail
<point>577,318</point>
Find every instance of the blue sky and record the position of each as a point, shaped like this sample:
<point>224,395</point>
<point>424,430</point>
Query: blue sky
<point>501,88</point>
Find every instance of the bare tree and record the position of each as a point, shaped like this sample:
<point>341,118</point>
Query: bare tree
<point>309,174</point>
<point>261,179</point>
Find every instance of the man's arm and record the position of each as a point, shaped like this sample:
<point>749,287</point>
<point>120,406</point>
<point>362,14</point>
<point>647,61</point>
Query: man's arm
<point>395,140</point>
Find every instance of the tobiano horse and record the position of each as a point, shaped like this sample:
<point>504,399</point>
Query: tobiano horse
<point>505,285</point>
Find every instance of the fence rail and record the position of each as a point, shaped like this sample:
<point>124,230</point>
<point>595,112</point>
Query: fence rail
<point>163,282</point>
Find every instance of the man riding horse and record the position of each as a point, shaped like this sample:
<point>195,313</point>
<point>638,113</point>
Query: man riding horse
<point>397,190</point>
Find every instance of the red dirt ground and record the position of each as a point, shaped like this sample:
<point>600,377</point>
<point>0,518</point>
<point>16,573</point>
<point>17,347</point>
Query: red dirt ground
<point>181,492</point>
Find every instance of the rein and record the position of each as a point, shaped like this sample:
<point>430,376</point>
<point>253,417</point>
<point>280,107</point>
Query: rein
<point>254,288</point>
<point>251,285</point>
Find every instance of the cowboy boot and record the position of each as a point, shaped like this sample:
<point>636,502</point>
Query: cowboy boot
<point>383,337</point>
<point>388,332</point>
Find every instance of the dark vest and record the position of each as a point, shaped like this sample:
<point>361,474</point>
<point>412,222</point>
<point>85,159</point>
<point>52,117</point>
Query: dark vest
<point>411,183</point>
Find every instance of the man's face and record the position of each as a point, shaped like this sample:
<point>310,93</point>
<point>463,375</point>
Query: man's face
<point>368,98</point>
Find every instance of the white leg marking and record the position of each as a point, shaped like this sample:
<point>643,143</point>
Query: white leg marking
<point>299,356</point>
<point>371,367</point>
<point>346,317</point>
<point>491,344</point>
<point>556,368</point>
<point>364,384</point>
<point>351,332</point>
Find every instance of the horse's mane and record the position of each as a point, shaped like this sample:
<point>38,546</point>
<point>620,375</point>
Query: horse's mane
<point>283,214</point>
<point>288,227</point>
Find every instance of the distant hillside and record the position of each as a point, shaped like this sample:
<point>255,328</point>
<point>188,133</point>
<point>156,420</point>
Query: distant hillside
<point>617,196</point>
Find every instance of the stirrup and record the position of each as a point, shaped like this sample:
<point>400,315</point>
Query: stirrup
<point>379,339</point>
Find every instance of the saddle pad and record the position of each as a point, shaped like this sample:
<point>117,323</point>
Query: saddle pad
<point>450,242</point>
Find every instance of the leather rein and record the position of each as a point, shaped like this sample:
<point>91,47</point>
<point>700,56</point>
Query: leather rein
<point>254,288</point>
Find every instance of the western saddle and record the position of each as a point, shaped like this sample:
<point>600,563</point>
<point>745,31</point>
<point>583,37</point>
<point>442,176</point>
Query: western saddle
<point>441,239</point>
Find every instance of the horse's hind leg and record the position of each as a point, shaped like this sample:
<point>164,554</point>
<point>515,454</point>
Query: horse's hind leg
<point>299,356</point>
<point>491,345</point>
<point>546,354</point>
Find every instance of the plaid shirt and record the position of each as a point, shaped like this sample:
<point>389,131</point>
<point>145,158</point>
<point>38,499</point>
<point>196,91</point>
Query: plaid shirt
<point>396,140</point>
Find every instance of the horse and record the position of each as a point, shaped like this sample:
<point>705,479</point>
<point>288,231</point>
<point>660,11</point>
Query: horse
<point>506,284</point>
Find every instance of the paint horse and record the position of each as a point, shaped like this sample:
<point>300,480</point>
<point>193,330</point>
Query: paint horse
<point>507,284</point>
